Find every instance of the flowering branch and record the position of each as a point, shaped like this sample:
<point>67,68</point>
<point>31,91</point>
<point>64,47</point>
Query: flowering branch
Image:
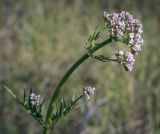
<point>68,73</point>
<point>122,28</point>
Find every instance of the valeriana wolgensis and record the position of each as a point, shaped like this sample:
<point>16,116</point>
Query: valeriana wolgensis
<point>121,27</point>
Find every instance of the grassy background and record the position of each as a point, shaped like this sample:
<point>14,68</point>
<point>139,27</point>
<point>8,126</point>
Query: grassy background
<point>40,39</point>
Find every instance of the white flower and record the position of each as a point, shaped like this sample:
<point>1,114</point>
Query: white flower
<point>127,59</point>
<point>35,99</point>
<point>88,91</point>
<point>124,25</point>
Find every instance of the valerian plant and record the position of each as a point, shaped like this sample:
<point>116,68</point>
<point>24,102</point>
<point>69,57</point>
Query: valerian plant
<point>122,27</point>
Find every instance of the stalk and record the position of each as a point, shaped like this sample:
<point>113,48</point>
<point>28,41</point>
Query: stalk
<point>66,76</point>
<point>46,131</point>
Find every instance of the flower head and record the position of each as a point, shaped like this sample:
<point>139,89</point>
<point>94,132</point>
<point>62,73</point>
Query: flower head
<point>123,25</point>
<point>126,59</point>
<point>88,91</point>
<point>35,99</point>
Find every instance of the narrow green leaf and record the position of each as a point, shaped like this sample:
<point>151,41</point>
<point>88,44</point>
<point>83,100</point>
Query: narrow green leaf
<point>103,58</point>
<point>61,109</point>
<point>10,92</point>
<point>24,96</point>
<point>97,35</point>
<point>41,104</point>
<point>57,110</point>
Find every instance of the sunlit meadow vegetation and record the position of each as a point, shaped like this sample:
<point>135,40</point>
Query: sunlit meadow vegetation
<point>39,39</point>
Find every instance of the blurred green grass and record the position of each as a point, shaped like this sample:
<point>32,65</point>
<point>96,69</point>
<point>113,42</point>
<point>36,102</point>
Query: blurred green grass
<point>40,39</point>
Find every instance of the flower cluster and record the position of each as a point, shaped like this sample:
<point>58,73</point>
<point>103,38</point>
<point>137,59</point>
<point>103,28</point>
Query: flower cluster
<point>35,99</point>
<point>126,59</point>
<point>88,91</point>
<point>123,25</point>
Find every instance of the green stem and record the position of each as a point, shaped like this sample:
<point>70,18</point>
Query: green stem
<point>80,97</point>
<point>69,108</point>
<point>46,131</point>
<point>67,74</point>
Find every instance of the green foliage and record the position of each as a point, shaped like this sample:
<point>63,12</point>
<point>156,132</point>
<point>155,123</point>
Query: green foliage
<point>103,58</point>
<point>63,109</point>
<point>33,110</point>
<point>95,36</point>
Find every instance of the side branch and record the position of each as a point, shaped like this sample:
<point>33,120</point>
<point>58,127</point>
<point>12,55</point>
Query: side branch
<point>68,73</point>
